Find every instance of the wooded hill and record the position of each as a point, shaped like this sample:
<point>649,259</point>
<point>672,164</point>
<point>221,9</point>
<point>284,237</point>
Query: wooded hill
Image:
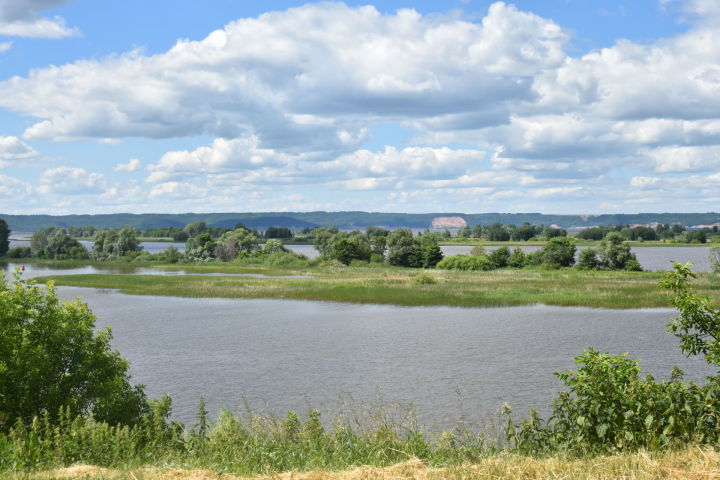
<point>343,220</point>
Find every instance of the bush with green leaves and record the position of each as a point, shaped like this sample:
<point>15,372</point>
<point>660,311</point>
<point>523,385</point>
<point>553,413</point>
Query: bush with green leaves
<point>466,262</point>
<point>517,258</point>
<point>112,244</point>
<point>559,252</point>
<point>52,357</point>
<point>19,252</point>
<point>608,407</point>
<point>615,254</point>
<point>588,259</point>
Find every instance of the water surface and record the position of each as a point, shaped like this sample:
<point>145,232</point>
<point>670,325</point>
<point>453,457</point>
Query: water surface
<point>290,355</point>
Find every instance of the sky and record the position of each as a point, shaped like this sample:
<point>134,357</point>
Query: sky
<point>553,106</point>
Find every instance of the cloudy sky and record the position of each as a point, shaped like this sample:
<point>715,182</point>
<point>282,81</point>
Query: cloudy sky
<point>559,106</point>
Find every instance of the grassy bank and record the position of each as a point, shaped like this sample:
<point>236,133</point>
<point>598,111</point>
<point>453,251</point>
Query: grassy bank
<point>691,463</point>
<point>398,286</point>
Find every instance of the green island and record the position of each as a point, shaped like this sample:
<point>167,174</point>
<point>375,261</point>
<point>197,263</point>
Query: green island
<point>407,287</point>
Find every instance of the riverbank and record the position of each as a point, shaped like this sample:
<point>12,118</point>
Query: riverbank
<point>692,462</point>
<point>406,287</point>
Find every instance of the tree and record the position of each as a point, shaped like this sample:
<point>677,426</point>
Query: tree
<point>115,243</point>
<point>500,257</point>
<point>497,232</point>
<point>401,248</point>
<point>4,238</point>
<point>278,232</point>
<point>201,247</point>
<point>559,252</point>
<point>615,253</point>
<point>377,236</point>
<point>52,357</point>
<point>698,326</point>
<point>588,259</point>
<point>430,251</point>
<point>38,242</point>
<point>346,248</point>
<point>231,243</point>
<point>195,229</point>
<point>524,232</point>
<point>61,246</point>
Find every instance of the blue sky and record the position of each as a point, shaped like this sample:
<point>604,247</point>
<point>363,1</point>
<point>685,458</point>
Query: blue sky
<point>559,106</point>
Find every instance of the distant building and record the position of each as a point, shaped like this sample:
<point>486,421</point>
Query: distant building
<point>448,222</point>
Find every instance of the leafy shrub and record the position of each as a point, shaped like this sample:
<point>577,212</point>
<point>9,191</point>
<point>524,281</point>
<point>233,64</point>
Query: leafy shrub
<point>517,258</point>
<point>559,252</point>
<point>466,262</point>
<point>423,279</point>
<point>500,257</point>
<point>588,259</point>
<point>609,408</point>
<point>19,252</point>
<point>51,357</point>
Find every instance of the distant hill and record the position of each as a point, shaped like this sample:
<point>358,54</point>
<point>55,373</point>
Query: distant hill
<point>343,220</point>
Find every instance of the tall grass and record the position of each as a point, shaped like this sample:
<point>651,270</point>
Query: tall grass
<point>247,444</point>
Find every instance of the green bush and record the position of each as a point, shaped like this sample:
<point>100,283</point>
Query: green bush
<point>52,357</point>
<point>608,407</point>
<point>423,279</point>
<point>19,252</point>
<point>466,262</point>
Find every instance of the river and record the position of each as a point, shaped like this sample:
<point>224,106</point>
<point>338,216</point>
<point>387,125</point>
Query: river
<point>281,355</point>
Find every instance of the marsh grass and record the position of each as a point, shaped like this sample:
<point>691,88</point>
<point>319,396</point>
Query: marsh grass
<point>385,285</point>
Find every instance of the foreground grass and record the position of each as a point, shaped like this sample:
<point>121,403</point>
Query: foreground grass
<point>690,463</point>
<point>397,286</point>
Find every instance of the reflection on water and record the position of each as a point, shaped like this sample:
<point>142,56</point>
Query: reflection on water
<point>41,270</point>
<point>290,355</point>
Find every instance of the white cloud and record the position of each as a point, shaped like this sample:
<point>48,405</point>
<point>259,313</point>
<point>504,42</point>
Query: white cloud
<point>22,18</point>
<point>177,190</point>
<point>12,148</point>
<point>222,156</point>
<point>5,46</point>
<point>71,181</point>
<point>307,79</point>
<point>131,166</point>
<point>684,159</point>
<point>12,188</point>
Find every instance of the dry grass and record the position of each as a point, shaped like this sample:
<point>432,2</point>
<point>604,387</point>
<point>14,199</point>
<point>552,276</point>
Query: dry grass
<point>693,463</point>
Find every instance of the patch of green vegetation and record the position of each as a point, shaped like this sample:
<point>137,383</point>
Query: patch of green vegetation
<point>388,285</point>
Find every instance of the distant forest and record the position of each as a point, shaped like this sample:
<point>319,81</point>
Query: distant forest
<point>342,220</point>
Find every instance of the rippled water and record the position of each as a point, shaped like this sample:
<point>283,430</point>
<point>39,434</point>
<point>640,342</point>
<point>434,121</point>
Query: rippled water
<point>283,355</point>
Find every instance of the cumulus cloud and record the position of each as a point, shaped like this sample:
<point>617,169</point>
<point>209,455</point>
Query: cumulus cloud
<point>5,46</point>
<point>497,107</point>
<point>71,181</point>
<point>222,156</point>
<point>311,78</point>
<point>132,165</point>
<point>12,148</point>
<point>23,19</point>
